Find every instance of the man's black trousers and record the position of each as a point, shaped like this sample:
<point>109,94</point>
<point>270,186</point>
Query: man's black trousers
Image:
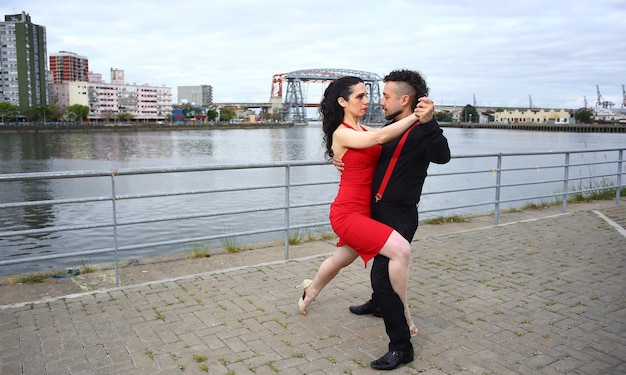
<point>404,219</point>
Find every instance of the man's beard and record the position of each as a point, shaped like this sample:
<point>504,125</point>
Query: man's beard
<point>392,116</point>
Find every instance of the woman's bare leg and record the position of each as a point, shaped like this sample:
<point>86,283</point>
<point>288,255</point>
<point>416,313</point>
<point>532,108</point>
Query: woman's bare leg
<point>329,268</point>
<point>398,250</point>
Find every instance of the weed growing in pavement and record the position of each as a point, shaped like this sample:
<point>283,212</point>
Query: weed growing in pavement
<point>150,353</point>
<point>159,314</point>
<point>34,278</point>
<point>231,245</point>
<point>447,219</point>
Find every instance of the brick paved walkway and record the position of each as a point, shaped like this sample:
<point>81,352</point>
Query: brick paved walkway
<point>545,296</point>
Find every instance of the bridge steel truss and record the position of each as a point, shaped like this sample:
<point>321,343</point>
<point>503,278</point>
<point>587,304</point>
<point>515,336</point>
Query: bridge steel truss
<point>294,107</point>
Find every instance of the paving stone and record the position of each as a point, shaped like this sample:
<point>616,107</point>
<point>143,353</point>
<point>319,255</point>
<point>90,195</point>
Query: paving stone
<point>539,296</point>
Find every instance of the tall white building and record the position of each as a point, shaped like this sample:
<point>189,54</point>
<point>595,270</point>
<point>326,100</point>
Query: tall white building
<point>22,62</point>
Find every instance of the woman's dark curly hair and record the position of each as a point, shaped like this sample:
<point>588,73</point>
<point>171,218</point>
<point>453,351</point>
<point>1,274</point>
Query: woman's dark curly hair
<point>330,110</point>
<point>413,78</point>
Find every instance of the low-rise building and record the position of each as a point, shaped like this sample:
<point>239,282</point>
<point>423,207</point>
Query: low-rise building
<point>107,101</point>
<point>533,116</point>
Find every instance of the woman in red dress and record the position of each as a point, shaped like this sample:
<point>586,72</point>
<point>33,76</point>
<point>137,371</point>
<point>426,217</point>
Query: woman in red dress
<point>345,101</point>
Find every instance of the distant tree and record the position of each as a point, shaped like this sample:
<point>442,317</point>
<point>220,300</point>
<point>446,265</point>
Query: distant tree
<point>38,113</point>
<point>8,111</point>
<point>56,112</point>
<point>124,117</point>
<point>211,114</point>
<point>77,112</point>
<point>469,114</point>
<point>583,115</point>
<point>444,116</point>
<point>227,114</point>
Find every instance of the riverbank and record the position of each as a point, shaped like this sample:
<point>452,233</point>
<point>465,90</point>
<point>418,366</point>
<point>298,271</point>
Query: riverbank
<point>90,127</point>
<point>145,270</point>
<point>577,128</point>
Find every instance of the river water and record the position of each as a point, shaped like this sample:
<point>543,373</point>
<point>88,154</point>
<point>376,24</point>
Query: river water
<point>104,151</point>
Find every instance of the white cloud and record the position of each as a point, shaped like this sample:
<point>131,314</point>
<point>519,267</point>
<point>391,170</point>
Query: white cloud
<point>501,52</point>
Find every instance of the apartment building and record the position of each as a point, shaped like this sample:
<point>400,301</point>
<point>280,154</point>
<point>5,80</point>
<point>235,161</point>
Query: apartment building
<point>68,66</point>
<point>201,96</point>
<point>23,62</point>
<point>144,103</point>
<point>106,101</point>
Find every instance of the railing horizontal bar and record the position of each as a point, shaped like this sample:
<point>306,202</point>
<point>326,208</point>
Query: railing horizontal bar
<point>27,232</point>
<point>52,202</point>
<point>54,256</point>
<point>474,188</point>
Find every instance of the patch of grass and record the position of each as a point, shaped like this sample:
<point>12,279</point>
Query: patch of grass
<point>593,190</point>
<point>447,219</point>
<point>34,278</point>
<point>538,206</point>
<point>194,254</point>
<point>231,245</point>
<point>328,235</point>
<point>584,192</point>
<point>87,268</point>
<point>198,250</point>
<point>294,237</point>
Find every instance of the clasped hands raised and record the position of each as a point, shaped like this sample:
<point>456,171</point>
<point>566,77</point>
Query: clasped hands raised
<point>424,110</point>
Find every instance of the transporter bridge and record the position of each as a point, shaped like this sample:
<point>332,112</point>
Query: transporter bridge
<point>294,106</point>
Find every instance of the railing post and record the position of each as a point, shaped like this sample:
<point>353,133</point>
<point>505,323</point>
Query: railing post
<point>114,203</point>
<point>287,211</point>
<point>619,176</point>
<point>496,211</point>
<point>565,183</point>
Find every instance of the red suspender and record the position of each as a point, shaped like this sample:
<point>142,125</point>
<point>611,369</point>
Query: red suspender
<point>392,162</point>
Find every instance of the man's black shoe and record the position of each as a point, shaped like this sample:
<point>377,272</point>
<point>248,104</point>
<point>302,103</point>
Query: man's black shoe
<point>392,360</point>
<point>367,308</point>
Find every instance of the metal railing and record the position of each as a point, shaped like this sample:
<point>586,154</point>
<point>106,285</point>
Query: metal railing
<point>486,182</point>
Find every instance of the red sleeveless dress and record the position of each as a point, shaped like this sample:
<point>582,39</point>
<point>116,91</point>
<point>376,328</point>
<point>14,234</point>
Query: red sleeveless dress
<point>350,212</point>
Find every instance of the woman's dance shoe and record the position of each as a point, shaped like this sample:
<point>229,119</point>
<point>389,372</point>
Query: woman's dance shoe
<point>301,305</point>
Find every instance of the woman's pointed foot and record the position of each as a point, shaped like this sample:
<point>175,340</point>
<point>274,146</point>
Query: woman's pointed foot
<point>302,305</point>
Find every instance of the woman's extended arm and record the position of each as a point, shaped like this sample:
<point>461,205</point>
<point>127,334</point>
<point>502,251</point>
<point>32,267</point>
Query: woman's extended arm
<point>348,138</point>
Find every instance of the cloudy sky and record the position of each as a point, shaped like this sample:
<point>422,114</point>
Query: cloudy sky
<point>498,52</point>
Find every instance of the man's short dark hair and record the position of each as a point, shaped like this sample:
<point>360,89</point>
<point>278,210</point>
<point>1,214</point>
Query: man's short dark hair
<point>411,77</point>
